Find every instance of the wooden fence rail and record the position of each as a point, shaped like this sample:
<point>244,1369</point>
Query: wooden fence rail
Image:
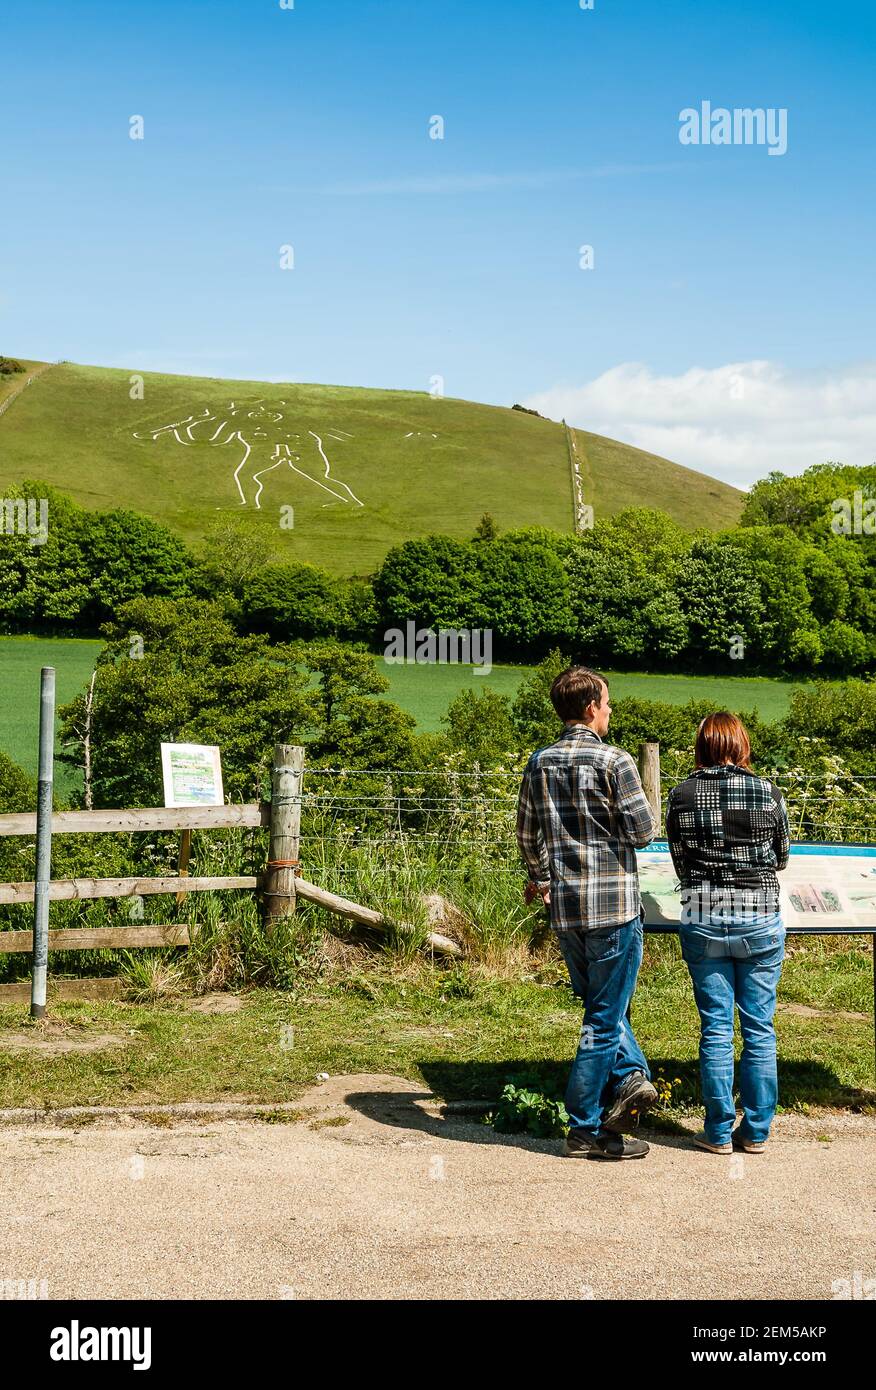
<point>279,884</point>
<point>98,938</point>
<point>151,818</point>
<point>71,889</point>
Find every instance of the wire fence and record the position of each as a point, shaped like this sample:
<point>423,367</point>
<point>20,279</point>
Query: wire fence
<point>447,811</point>
<point>388,837</point>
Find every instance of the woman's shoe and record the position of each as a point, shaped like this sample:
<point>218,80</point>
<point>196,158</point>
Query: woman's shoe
<point>702,1143</point>
<point>747,1146</point>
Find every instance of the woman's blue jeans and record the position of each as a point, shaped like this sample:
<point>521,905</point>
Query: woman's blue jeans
<point>737,963</point>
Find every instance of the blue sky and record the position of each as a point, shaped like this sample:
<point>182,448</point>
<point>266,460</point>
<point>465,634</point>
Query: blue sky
<point>459,258</point>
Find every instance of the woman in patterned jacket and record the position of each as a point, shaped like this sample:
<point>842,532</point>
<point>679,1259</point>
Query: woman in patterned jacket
<point>728,835</point>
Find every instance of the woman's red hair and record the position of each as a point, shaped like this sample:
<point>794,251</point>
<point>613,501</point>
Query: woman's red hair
<point>722,737</point>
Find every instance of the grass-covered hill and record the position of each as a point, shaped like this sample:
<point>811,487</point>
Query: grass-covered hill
<point>361,469</point>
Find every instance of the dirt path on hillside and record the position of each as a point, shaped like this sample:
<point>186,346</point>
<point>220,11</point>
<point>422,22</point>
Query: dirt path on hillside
<point>372,1193</point>
<point>20,385</point>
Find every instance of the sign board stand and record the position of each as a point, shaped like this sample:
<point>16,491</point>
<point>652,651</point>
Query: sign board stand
<point>192,775</point>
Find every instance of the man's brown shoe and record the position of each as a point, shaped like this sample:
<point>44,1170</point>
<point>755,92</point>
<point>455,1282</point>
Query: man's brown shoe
<point>634,1097</point>
<point>610,1146</point>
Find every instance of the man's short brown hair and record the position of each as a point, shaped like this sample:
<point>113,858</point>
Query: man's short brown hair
<point>574,690</point>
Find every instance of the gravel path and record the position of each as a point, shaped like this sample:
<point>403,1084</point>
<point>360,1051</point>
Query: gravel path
<point>371,1193</point>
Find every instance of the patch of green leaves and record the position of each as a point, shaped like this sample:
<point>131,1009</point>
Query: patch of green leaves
<point>522,1110</point>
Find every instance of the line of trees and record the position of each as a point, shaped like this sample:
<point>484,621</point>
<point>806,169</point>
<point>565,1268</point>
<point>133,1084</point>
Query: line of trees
<point>191,677</point>
<point>785,591</point>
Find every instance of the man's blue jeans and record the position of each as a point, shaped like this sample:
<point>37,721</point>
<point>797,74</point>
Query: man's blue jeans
<point>737,963</point>
<point>603,968</point>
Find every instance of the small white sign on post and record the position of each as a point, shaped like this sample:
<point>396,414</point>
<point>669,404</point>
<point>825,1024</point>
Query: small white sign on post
<point>192,775</point>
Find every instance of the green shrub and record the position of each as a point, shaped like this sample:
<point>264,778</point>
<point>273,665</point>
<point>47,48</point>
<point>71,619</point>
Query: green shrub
<point>289,601</point>
<point>524,1111</point>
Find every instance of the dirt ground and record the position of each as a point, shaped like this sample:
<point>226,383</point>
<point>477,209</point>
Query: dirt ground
<point>366,1190</point>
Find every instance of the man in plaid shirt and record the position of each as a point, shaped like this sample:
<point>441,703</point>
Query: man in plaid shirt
<point>581,815</point>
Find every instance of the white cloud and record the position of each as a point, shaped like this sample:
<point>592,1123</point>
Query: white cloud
<point>736,422</point>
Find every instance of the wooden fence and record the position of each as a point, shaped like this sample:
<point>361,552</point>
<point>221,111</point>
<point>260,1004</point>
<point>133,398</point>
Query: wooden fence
<point>279,885</point>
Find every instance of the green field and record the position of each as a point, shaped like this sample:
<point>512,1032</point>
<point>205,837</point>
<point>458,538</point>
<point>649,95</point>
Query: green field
<point>416,464</point>
<point>20,661</point>
<point>424,690</point>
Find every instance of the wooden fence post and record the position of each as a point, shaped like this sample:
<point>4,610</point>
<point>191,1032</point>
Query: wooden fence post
<point>649,769</point>
<point>185,851</point>
<point>285,838</point>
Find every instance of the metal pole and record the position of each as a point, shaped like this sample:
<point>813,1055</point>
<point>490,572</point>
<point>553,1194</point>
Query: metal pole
<point>43,845</point>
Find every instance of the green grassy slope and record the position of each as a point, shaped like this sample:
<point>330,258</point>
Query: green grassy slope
<point>633,478</point>
<point>417,464</point>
